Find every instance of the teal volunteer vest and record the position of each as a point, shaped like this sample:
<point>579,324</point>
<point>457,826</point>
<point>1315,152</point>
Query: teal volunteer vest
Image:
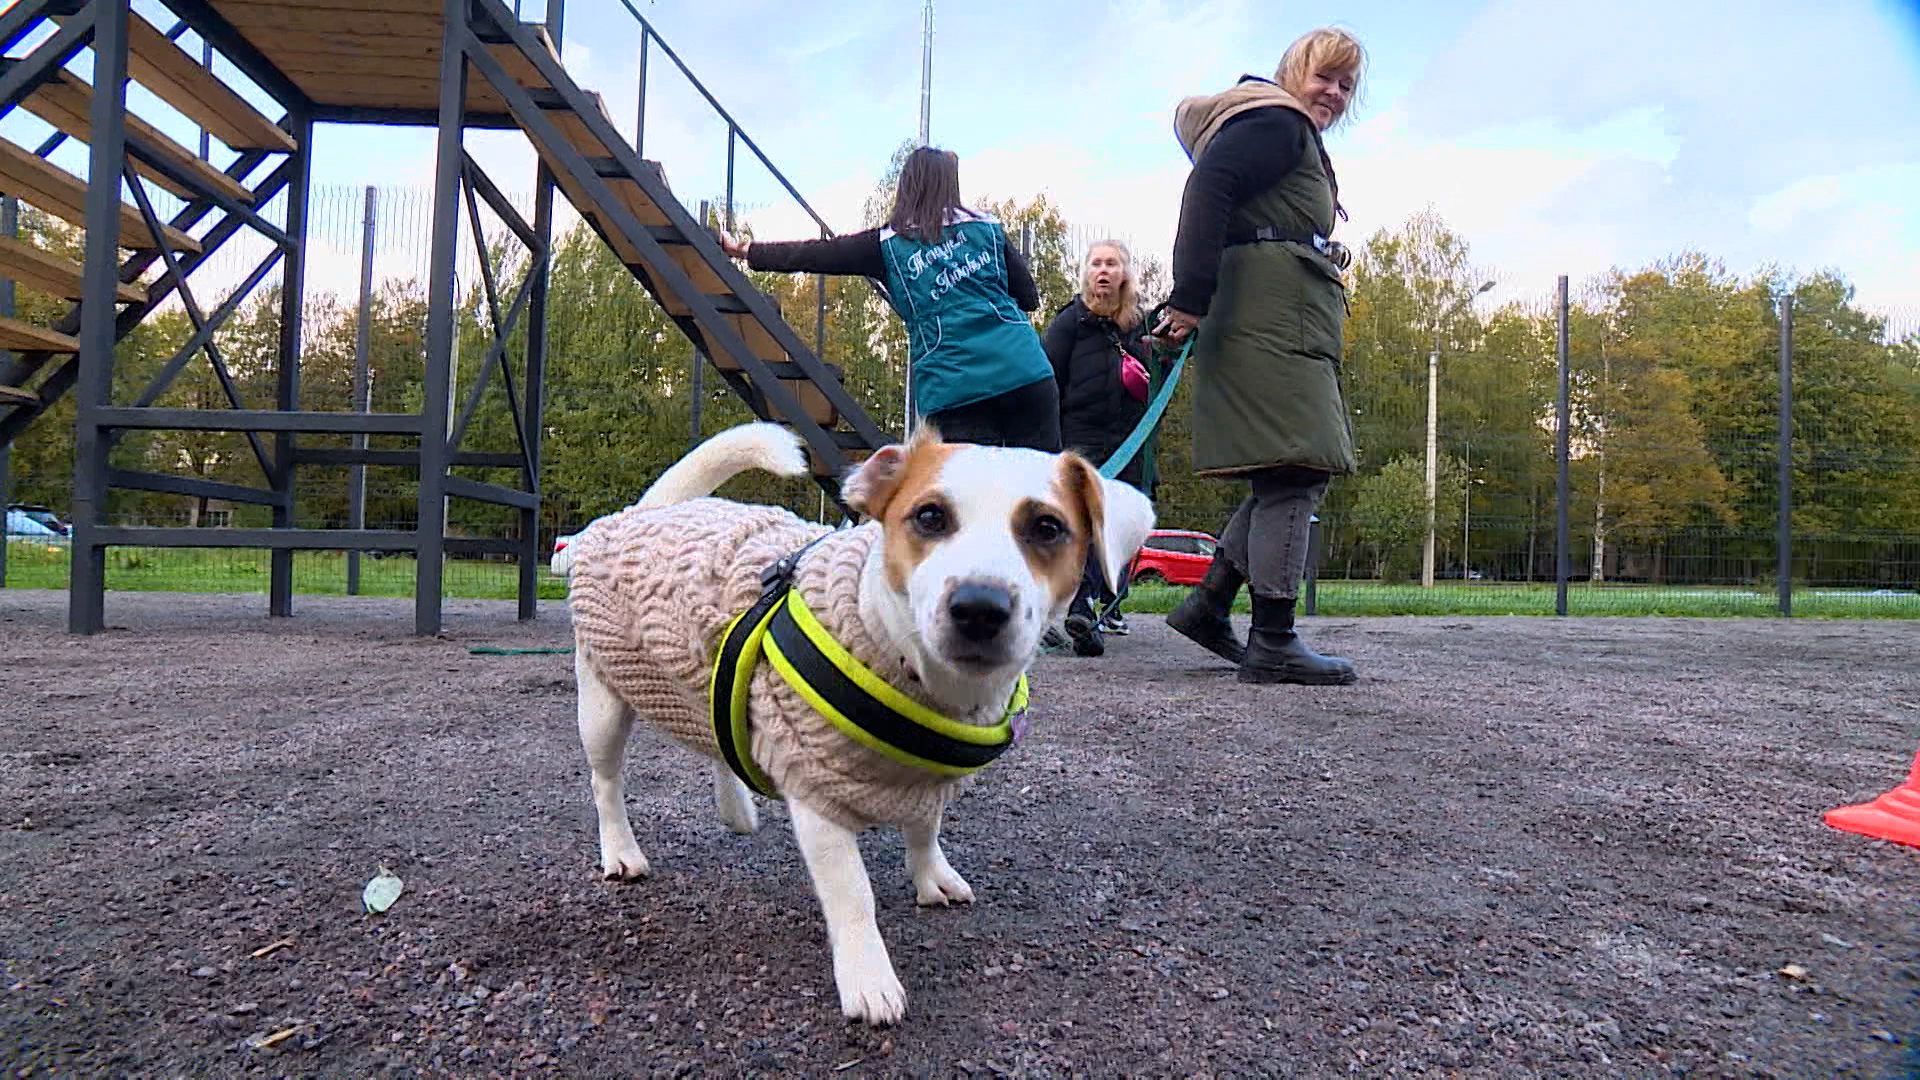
<point>968,339</point>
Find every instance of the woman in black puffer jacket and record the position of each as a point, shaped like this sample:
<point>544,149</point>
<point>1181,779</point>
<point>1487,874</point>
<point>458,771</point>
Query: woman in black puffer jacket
<point>1098,410</point>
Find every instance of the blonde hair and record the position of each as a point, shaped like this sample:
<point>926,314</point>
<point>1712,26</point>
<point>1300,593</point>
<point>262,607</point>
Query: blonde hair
<point>1125,307</point>
<point>1329,48</point>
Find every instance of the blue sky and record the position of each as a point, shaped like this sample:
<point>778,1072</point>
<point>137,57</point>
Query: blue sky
<point>1556,138</point>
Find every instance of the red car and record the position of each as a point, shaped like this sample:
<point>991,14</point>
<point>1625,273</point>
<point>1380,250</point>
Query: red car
<point>1173,557</point>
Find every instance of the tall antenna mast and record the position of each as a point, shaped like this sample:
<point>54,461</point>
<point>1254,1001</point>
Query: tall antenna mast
<point>926,139</point>
<point>926,80</point>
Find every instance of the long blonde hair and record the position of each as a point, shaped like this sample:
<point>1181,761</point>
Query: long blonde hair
<point>1124,309</point>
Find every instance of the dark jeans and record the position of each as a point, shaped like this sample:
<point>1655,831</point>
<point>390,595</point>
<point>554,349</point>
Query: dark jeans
<point>1028,416</point>
<point>1266,538</point>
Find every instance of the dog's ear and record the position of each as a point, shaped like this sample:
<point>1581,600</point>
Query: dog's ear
<point>869,488</point>
<point>1119,517</point>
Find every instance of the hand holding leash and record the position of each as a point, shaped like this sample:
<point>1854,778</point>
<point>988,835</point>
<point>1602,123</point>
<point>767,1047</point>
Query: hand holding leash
<point>1175,325</point>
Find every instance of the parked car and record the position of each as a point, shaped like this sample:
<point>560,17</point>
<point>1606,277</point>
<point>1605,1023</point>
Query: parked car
<point>560,544</point>
<point>1173,557</point>
<point>37,515</point>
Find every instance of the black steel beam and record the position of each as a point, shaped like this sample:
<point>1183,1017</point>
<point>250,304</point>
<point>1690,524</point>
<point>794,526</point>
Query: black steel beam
<point>64,377</point>
<point>530,553</point>
<point>398,459</point>
<point>502,325</point>
<point>99,311</point>
<point>274,539</point>
<point>481,184</point>
<point>23,76</point>
<point>745,296</point>
<point>310,423</point>
<point>496,355</point>
<point>171,261</point>
<point>24,365</point>
<point>437,388</point>
<point>204,334</point>
<point>481,545</point>
<point>461,487</point>
<point>19,20</point>
<point>286,391</point>
<point>168,168</point>
<point>192,486</point>
<point>221,34</point>
<point>360,114</point>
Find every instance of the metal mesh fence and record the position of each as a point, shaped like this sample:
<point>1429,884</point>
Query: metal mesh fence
<point>1673,447</point>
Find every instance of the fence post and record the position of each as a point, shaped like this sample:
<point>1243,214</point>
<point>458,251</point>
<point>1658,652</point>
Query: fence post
<point>1564,487</point>
<point>9,227</point>
<point>362,387</point>
<point>1783,544</point>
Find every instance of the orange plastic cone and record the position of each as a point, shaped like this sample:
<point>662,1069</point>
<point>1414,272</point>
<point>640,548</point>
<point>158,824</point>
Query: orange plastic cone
<point>1894,816</point>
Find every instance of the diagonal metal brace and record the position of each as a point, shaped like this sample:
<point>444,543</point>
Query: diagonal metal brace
<point>170,260</point>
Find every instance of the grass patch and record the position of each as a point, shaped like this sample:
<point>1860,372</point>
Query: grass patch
<point>44,566</point>
<point>237,570</point>
<point>1356,598</point>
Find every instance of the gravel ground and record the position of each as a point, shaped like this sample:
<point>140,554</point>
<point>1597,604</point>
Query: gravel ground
<point>1517,848</point>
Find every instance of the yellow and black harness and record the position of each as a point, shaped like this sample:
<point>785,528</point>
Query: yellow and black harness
<point>865,707</point>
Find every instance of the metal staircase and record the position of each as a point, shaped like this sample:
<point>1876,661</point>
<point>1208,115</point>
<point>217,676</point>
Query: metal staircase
<point>457,64</point>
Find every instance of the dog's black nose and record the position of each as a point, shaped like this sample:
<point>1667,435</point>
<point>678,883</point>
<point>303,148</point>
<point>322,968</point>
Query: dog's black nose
<point>980,612</point>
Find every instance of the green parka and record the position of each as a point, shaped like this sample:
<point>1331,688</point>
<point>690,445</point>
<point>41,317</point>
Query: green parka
<point>1266,360</point>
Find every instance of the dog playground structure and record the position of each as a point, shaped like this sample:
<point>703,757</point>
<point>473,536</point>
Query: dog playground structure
<point>454,64</point>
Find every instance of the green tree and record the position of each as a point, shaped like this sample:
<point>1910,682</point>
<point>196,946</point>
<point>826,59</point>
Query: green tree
<point>1389,512</point>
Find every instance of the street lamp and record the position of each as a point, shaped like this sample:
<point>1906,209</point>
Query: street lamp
<point>1433,430</point>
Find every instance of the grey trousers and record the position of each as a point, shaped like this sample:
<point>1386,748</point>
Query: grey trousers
<point>1266,538</point>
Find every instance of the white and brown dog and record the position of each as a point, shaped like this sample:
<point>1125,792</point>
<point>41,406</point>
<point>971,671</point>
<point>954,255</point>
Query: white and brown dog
<point>969,553</point>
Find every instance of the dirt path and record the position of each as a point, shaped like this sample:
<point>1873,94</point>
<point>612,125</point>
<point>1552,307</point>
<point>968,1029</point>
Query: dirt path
<point>1519,847</point>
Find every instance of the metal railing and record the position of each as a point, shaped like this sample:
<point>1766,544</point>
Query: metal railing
<point>735,136</point>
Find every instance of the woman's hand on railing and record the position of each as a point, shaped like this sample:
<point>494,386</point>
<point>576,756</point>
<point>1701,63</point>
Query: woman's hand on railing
<point>735,249</point>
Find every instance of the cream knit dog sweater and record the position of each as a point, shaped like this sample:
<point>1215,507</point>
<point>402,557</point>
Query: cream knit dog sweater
<point>652,591</point>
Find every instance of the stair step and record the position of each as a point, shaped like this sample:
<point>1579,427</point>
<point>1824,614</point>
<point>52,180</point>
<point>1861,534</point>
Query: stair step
<point>35,180</point>
<point>567,109</point>
<point>49,273</point>
<point>26,337</point>
<point>66,102</point>
<point>179,80</point>
<point>13,395</point>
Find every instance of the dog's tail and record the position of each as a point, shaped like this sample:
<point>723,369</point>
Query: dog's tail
<point>736,450</point>
<point>725,456</point>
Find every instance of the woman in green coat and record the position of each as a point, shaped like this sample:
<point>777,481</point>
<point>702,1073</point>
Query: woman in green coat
<point>1257,277</point>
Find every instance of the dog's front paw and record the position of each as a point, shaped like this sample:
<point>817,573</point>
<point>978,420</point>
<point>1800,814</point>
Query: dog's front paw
<point>623,864</point>
<point>869,990</point>
<point>940,885</point>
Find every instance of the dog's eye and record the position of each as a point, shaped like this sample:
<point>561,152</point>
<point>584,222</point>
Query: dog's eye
<point>930,520</point>
<point>1047,530</point>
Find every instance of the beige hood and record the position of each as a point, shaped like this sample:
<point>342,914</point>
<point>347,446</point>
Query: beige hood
<point>1197,119</point>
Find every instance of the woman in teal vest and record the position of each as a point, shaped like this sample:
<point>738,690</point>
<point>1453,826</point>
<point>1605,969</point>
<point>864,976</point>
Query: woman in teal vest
<point>1255,271</point>
<point>977,369</point>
